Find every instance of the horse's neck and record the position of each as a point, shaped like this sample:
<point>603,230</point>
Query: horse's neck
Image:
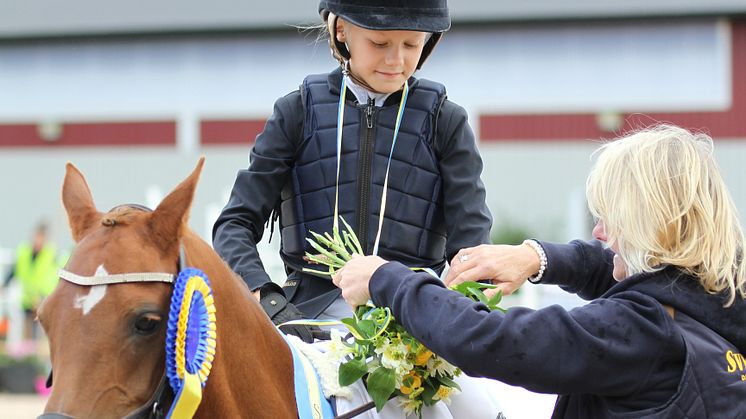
<point>252,372</point>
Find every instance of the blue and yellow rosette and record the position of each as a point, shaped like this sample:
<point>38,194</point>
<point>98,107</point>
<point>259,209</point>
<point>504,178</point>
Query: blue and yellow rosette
<point>190,341</point>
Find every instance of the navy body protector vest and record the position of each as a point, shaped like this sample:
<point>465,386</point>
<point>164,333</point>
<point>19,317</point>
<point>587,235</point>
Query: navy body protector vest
<point>414,232</point>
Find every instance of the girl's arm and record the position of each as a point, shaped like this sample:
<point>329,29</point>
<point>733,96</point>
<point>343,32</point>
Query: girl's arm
<point>256,192</point>
<point>465,209</point>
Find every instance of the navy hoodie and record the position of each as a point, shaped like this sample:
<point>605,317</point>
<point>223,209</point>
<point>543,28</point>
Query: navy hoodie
<point>621,355</point>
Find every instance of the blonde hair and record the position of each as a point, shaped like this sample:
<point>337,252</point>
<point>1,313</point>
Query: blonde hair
<point>329,31</point>
<point>663,201</point>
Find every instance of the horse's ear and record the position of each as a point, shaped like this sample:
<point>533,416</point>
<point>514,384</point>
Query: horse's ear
<point>78,202</point>
<point>172,214</point>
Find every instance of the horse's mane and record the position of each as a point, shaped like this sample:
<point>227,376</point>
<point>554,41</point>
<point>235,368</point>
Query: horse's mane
<point>200,254</point>
<point>241,324</point>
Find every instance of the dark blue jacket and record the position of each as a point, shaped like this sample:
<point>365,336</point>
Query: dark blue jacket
<point>436,202</point>
<point>620,356</point>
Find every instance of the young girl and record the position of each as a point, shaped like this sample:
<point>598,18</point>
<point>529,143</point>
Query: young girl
<point>369,143</point>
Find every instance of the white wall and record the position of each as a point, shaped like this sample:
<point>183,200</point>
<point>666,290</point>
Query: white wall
<point>653,66</point>
<point>649,66</point>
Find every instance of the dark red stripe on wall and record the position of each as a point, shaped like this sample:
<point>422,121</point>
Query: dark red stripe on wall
<point>730,123</point>
<point>88,134</point>
<point>229,132</point>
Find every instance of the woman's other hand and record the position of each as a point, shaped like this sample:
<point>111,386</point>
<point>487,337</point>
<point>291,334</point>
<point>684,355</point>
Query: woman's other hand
<point>354,277</point>
<point>503,265</point>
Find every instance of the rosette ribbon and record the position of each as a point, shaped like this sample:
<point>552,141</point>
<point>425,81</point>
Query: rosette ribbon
<point>190,341</point>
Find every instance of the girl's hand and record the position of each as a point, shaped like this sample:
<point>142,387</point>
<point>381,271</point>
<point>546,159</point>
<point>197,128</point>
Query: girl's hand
<point>506,266</point>
<point>354,277</point>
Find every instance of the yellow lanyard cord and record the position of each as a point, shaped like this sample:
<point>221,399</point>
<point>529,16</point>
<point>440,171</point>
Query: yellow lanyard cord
<point>384,193</point>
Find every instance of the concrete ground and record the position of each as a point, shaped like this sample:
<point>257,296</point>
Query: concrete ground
<point>516,402</point>
<point>21,406</point>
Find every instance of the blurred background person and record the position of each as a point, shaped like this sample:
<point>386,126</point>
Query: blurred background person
<point>35,272</point>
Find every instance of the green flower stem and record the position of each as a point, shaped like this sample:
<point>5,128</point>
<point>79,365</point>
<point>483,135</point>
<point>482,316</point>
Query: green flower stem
<point>317,272</point>
<point>350,233</point>
<point>331,255</point>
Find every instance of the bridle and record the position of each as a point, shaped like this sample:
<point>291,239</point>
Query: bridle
<point>160,402</point>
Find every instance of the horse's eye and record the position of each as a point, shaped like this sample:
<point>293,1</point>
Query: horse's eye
<point>147,323</point>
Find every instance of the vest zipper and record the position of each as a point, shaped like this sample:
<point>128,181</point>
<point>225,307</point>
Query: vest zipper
<point>364,176</point>
<point>369,113</point>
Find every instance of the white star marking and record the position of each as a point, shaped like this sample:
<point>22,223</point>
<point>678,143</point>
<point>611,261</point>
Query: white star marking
<point>95,295</point>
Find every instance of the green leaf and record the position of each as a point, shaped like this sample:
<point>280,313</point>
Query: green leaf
<point>381,384</point>
<point>448,382</point>
<point>494,302</point>
<point>479,295</point>
<point>361,310</point>
<point>368,327</point>
<point>463,287</point>
<point>428,393</point>
<point>351,371</point>
<point>475,291</point>
<point>354,329</point>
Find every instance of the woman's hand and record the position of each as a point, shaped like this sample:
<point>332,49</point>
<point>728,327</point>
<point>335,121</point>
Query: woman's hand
<point>506,266</point>
<point>354,277</point>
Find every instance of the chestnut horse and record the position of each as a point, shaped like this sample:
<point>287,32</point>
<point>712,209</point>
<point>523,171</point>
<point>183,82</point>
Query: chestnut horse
<point>107,342</point>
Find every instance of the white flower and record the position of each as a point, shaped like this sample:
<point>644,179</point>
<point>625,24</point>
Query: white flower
<point>444,394</point>
<point>394,356</point>
<point>337,349</point>
<point>439,366</point>
<point>409,406</point>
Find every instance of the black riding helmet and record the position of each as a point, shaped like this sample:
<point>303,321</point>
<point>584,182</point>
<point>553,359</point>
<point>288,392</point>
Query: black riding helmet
<point>390,15</point>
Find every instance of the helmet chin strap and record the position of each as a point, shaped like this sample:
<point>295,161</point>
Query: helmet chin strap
<point>360,82</point>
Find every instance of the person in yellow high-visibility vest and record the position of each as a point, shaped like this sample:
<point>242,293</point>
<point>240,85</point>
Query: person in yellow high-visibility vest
<point>35,270</point>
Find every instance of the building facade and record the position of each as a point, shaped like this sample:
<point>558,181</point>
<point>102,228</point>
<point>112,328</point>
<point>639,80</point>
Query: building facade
<point>134,95</point>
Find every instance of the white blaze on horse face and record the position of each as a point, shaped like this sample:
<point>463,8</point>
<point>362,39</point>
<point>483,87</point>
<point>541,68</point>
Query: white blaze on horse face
<point>95,295</point>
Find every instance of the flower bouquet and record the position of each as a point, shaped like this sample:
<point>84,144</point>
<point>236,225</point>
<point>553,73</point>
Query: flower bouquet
<point>396,363</point>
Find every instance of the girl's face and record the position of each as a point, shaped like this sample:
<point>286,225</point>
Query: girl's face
<point>383,59</point>
<point>620,268</point>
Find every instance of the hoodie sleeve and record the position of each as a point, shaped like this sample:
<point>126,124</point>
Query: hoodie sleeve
<point>607,347</point>
<point>579,267</point>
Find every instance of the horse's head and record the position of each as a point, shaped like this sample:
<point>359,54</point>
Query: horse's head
<point>107,341</point>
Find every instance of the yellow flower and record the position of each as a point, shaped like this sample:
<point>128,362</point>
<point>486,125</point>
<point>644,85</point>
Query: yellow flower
<point>422,357</point>
<point>411,382</point>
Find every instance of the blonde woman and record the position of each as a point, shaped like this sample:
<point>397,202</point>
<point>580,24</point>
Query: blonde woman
<point>665,334</point>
